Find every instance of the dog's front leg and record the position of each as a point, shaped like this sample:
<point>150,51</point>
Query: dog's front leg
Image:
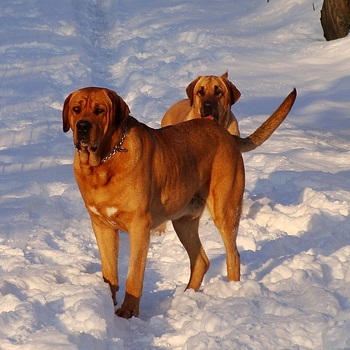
<point>108,245</point>
<point>139,243</point>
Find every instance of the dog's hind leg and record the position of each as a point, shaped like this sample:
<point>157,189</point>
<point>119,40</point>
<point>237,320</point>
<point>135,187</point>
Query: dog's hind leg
<point>228,228</point>
<point>225,205</point>
<point>187,231</point>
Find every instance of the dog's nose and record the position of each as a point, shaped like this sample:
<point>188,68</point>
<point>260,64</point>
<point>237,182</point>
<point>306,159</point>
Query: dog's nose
<point>83,126</point>
<point>208,107</point>
<point>208,104</point>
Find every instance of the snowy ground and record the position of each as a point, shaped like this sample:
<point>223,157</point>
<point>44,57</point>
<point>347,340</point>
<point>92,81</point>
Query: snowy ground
<point>294,233</point>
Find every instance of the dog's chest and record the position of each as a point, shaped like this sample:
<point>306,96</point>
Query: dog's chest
<point>108,214</point>
<point>103,197</point>
<point>107,207</point>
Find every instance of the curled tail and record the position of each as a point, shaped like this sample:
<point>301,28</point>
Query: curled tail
<point>260,135</point>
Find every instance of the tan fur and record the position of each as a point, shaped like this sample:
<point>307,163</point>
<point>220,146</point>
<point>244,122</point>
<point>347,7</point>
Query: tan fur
<point>156,175</point>
<point>218,91</point>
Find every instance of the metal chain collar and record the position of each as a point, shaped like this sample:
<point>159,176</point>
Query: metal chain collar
<point>117,148</point>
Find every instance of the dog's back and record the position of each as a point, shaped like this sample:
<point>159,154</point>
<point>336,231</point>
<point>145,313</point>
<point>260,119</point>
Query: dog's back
<point>177,113</point>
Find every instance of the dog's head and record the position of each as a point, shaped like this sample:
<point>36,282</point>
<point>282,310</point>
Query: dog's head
<point>213,96</point>
<point>93,114</point>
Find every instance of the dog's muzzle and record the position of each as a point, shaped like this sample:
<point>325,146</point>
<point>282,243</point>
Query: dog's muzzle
<point>209,110</point>
<point>83,133</point>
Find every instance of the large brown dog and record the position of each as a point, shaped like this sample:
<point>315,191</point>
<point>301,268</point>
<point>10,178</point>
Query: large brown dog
<point>208,97</point>
<point>133,178</point>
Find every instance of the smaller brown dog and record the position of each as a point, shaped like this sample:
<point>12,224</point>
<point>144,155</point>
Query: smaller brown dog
<point>208,97</point>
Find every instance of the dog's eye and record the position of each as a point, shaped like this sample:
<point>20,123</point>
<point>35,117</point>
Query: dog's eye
<point>76,109</point>
<point>201,91</point>
<point>98,111</point>
<point>217,91</point>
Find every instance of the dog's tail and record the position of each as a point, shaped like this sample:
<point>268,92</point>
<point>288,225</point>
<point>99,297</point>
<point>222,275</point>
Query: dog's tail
<point>260,135</point>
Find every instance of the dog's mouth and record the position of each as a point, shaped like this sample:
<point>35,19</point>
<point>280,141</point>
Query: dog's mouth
<point>210,117</point>
<point>84,146</point>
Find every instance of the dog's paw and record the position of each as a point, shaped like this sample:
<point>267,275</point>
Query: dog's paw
<point>125,313</point>
<point>129,308</point>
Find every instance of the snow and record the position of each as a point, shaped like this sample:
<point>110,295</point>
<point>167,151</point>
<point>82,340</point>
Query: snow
<point>294,233</point>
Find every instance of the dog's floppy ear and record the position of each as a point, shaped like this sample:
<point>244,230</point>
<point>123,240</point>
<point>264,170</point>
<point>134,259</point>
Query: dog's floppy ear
<point>235,94</point>
<point>190,89</point>
<point>120,109</point>
<point>66,125</point>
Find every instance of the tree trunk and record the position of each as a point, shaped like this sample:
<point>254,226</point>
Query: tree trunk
<point>335,18</point>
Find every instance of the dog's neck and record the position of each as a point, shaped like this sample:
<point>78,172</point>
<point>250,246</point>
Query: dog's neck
<point>118,147</point>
